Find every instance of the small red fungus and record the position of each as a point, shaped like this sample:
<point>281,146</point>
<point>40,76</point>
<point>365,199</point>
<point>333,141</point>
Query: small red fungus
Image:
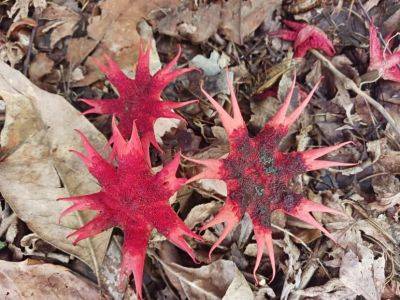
<point>257,174</point>
<point>139,98</point>
<point>386,64</point>
<point>305,37</point>
<point>132,198</point>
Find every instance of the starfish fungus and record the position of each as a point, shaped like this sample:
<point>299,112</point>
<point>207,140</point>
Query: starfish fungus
<point>139,98</point>
<point>257,174</point>
<point>132,198</point>
<point>385,64</point>
<point>305,37</point>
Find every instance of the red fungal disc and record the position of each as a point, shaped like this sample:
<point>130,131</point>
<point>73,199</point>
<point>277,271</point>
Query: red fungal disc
<point>135,201</point>
<point>305,37</point>
<point>257,174</point>
<point>385,63</point>
<point>139,98</point>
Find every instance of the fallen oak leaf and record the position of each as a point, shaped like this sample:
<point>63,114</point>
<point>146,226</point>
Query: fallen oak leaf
<point>220,279</point>
<point>305,37</point>
<point>113,27</point>
<point>38,168</point>
<point>32,279</point>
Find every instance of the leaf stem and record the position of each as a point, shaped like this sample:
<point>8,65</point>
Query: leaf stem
<point>351,85</point>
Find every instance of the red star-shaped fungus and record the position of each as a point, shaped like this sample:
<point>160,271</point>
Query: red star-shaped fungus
<point>305,37</point>
<point>385,64</point>
<point>132,198</point>
<point>139,98</point>
<point>257,174</point>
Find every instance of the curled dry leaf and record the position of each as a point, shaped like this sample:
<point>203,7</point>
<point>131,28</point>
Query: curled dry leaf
<point>38,168</point>
<point>31,279</point>
<point>62,22</point>
<point>332,290</point>
<point>220,279</point>
<point>200,213</point>
<point>348,233</point>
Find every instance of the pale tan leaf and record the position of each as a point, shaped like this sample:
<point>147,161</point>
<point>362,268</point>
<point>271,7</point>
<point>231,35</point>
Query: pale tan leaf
<point>238,289</point>
<point>213,281</point>
<point>363,274</point>
<point>201,212</point>
<point>39,168</point>
<point>33,280</point>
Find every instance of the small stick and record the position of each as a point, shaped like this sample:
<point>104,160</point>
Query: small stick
<point>351,85</point>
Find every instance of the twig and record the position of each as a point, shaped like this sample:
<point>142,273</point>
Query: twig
<point>351,85</point>
<point>310,269</point>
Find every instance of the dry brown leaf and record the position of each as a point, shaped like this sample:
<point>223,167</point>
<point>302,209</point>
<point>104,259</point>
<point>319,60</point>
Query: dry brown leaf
<point>220,279</point>
<point>62,22</point>
<point>40,66</point>
<point>241,18</point>
<point>78,50</point>
<point>363,274</point>
<point>262,110</point>
<point>34,280</point>
<point>20,9</point>
<point>386,164</point>
<point>348,233</point>
<point>238,289</point>
<point>196,25</point>
<point>292,267</point>
<point>201,212</point>
<point>332,290</point>
<point>38,168</point>
<point>114,29</point>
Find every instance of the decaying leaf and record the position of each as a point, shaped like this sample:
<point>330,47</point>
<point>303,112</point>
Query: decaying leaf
<point>20,9</point>
<point>332,290</point>
<point>38,168</point>
<point>211,66</point>
<point>197,25</point>
<point>236,19</point>
<point>62,22</point>
<point>220,279</point>
<point>200,213</point>
<point>40,66</point>
<point>241,18</point>
<point>274,73</point>
<point>32,279</point>
<point>114,30</point>
<point>387,165</point>
<point>363,273</point>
